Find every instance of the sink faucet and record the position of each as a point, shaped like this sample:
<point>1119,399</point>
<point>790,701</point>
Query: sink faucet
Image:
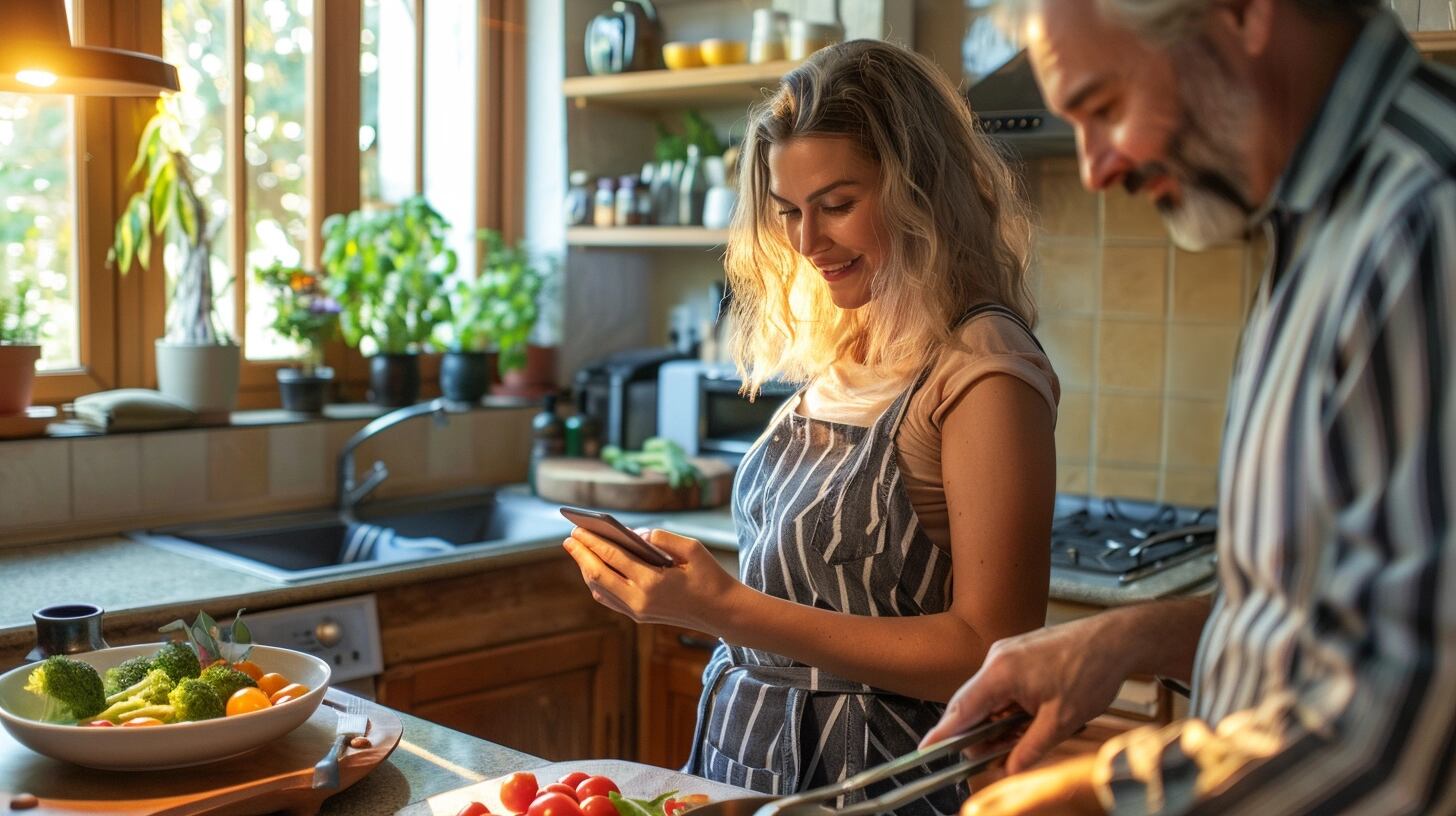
<point>350,493</point>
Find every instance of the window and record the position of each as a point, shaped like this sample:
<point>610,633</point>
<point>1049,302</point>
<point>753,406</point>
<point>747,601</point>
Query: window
<point>389,78</point>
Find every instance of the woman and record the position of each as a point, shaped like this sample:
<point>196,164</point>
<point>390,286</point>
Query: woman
<point>893,520</point>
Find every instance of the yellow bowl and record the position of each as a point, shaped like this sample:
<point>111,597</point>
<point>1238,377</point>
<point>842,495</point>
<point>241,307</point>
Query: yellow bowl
<point>723,52</point>
<point>680,55</point>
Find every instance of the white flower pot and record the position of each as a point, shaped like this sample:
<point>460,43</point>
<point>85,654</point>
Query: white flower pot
<point>204,378</point>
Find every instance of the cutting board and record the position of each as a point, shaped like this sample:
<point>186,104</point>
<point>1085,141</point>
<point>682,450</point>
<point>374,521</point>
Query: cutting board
<point>593,483</point>
<point>636,780</point>
<point>276,777</point>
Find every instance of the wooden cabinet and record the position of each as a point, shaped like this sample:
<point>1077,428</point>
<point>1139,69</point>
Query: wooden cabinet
<point>670,664</point>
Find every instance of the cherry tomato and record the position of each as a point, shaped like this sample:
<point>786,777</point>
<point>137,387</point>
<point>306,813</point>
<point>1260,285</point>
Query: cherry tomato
<point>596,786</point>
<point>101,724</point>
<point>474,809</point>
<point>247,699</point>
<point>290,690</point>
<point>142,722</point>
<point>271,682</point>
<point>249,668</point>
<point>693,800</point>
<point>598,806</point>
<point>554,804</point>
<point>282,698</point>
<point>557,787</point>
<point>574,778</point>
<point>518,791</point>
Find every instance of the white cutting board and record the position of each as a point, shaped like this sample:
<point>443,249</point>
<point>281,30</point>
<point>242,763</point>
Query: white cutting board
<point>636,780</point>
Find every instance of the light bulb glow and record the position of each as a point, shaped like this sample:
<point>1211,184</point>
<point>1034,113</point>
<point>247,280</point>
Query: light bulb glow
<point>36,77</point>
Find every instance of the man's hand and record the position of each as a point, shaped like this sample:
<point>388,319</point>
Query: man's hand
<point>1062,788</point>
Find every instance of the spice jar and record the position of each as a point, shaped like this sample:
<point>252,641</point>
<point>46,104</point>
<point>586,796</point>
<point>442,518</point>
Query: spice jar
<point>770,30</point>
<point>626,213</point>
<point>604,212</point>
<point>579,199</point>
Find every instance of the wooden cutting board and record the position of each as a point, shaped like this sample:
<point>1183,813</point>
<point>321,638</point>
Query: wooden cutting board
<point>593,483</point>
<point>275,777</point>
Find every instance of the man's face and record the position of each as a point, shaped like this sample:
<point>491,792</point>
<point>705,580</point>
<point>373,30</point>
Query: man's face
<point>1168,124</point>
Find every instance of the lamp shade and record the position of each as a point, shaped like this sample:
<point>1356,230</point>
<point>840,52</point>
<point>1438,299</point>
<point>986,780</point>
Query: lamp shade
<point>36,56</point>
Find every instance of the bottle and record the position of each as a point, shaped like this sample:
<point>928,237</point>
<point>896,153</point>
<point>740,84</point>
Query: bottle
<point>604,213</point>
<point>644,201</point>
<point>626,202</point>
<point>579,199</point>
<point>583,431</point>
<point>548,436</point>
<point>692,190</point>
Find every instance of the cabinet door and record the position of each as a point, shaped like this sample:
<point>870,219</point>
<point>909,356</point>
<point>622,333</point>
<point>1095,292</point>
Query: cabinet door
<point>558,697</point>
<point>669,683</point>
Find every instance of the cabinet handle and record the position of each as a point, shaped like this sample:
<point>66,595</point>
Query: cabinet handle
<point>695,642</point>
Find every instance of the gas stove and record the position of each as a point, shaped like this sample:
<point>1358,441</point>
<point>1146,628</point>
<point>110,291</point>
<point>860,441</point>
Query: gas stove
<point>1115,542</point>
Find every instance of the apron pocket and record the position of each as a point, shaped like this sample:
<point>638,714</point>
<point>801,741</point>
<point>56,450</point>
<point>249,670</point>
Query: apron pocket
<point>720,767</point>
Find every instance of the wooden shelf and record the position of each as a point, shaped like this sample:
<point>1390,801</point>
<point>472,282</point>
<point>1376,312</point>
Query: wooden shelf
<point>645,237</point>
<point>1439,45</point>
<point>701,87</point>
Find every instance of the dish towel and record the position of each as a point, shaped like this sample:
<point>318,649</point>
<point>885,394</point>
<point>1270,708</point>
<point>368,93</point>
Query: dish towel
<point>371,542</point>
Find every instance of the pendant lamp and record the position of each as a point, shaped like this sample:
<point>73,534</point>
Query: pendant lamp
<point>36,56</point>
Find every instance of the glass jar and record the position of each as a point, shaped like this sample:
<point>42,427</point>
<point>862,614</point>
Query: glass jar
<point>644,202</point>
<point>604,213</point>
<point>578,199</point>
<point>626,209</point>
<point>770,30</point>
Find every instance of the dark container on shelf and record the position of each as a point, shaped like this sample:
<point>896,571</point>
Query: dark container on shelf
<point>394,379</point>
<point>304,391</point>
<point>464,375</point>
<point>66,629</point>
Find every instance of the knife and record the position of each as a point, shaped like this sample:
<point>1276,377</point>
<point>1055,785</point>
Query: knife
<point>352,722</point>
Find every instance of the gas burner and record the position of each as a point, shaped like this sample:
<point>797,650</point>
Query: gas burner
<point>1113,542</point>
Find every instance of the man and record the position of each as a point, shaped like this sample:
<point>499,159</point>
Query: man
<point>1325,676</point>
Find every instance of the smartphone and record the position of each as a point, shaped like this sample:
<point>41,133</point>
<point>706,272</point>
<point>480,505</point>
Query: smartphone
<point>607,526</point>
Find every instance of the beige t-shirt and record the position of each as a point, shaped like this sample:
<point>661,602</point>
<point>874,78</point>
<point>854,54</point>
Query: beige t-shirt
<point>997,345</point>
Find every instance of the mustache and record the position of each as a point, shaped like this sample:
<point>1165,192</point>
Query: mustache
<point>1214,182</point>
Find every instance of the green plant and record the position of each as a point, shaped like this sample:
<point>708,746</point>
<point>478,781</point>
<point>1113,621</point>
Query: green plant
<point>696,131</point>
<point>387,271</point>
<point>168,206</point>
<point>19,321</point>
<point>500,306</point>
<point>303,313</point>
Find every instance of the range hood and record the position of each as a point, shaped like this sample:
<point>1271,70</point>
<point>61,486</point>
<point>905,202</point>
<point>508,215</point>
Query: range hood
<point>1008,104</point>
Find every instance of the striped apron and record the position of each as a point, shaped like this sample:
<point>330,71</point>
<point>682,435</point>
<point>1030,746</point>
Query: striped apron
<point>823,520</point>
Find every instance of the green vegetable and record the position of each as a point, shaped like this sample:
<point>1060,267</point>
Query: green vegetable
<point>192,700</point>
<point>129,673</point>
<point>661,455</point>
<point>72,689</point>
<point>640,807</point>
<point>150,690</point>
<point>178,660</point>
<point>226,680</point>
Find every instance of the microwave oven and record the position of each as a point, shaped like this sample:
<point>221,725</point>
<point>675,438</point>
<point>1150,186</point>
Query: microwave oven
<point>700,409</point>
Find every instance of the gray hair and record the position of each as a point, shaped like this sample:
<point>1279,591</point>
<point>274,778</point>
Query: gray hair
<point>1166,22</point>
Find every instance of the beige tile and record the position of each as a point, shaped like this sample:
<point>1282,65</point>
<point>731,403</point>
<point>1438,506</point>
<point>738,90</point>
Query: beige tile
<point>1134,280</point>
<point>174,470</point>
<point>1068,343</point>
<point>404,449</point>
<point>106,477</point>
<point>1127,216</point>
<point>1072,478</point>
<point>298,464</point>
<point>1129,430</point>
<point>1200,359</point>
<point>1074,425</point>
<point>1066,210</point>
<point>1127,482</point>
<point>1209,285</point>
<point>35,483</point>
<point>502,445</point>
<point>1192,487</point>
<point>237,464</point>
<point>1066,274</point>
<point>452,449</point>
<point>1130,355</point>
<point>1195,428</point>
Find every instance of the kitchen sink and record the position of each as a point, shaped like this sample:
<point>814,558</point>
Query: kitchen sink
<point>313,544</point>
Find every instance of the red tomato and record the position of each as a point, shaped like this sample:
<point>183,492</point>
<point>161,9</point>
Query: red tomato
<point>474,809</point>
<point>564,790</point>
<point>554,804</point>
<point>598,806</point>
<point>101,724</point>
<point>672,807</point>
<point>596,786</point>
<point>574,778</point>
<point>518,791</point>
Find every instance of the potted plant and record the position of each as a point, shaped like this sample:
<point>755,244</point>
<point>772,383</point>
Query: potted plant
<point>387,271</point>
<point>305,315</point>
<point>19,347</point>
<point>469,353</point>
<point>197,362</point>
<point>508,294</point>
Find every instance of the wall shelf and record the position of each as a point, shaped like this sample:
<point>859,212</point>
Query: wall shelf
<point>645,237</point>
<point>1438,45</point>
<point>701,87</point>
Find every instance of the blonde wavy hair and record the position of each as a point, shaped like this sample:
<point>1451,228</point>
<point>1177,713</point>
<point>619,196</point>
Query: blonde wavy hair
<point>955,229</point>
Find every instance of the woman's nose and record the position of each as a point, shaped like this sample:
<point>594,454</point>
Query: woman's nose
<point>811,237</point>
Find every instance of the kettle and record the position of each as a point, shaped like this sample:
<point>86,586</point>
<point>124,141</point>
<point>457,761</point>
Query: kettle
<point>624,39</point>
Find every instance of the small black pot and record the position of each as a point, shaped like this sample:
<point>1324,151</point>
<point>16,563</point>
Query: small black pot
<point>305,392</point>
<point>66,629</point>
<point>464,375</point>
<point>394,379</point>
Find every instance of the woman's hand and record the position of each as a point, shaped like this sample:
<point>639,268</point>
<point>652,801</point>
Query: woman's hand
<point>695,592</point>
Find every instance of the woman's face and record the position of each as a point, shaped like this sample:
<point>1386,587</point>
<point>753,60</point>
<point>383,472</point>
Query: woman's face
<point>827,195</point>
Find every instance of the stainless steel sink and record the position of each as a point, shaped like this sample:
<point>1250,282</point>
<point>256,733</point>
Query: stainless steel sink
<point>299,546</point>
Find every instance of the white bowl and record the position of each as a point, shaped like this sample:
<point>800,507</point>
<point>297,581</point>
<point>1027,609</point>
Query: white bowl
<point>161,746</point>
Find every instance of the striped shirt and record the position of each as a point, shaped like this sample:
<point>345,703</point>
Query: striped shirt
<point>1325,680</point>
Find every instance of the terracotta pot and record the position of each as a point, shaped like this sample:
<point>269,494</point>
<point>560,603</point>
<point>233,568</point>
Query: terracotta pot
<point>17,377</point>
<point>537,379</point>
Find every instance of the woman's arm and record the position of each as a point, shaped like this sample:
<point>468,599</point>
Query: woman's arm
<point>998,460</point>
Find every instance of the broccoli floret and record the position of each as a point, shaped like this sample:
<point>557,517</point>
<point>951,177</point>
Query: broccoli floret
<point>225,680</point>
<point>178,660</point>
<point>150,690</point>
<point>72,689</point>
<point>129,673</point>
<point>191,700</point>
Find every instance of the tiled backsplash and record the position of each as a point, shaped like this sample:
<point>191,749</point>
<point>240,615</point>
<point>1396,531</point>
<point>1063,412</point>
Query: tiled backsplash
<point>1142,335</point>
<point>54,489</point>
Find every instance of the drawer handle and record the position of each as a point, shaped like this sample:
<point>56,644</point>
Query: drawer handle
<point>695,642</point>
